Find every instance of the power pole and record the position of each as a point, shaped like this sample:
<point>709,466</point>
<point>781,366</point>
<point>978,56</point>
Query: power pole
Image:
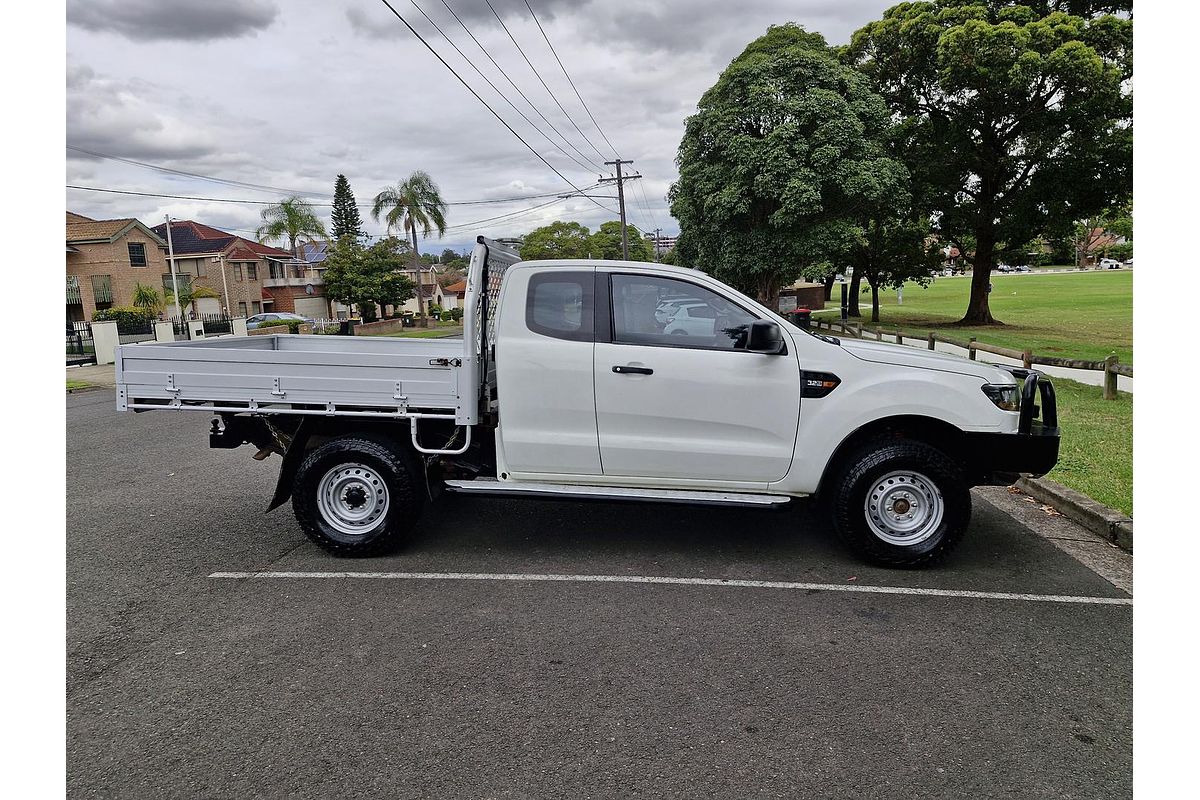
<point>174,280</point>
<point>620,181</point>
<point>657,251</point>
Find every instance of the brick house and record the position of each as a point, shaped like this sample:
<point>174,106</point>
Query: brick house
<point>298,286</point>
<point>455,295</point>
<point>208,256</point>
<point>106,258</point>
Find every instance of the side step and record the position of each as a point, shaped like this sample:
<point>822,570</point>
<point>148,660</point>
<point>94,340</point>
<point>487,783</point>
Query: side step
<point>566,491</point>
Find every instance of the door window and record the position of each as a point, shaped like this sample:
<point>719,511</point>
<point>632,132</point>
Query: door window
<point>667,312</point>
<point>559,304</point>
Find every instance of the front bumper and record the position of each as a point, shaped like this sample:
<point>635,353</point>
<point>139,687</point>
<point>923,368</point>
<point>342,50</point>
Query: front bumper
<point>999,458</point>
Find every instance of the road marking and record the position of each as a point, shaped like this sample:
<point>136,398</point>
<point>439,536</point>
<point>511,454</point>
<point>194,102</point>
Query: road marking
<point>820,587</point>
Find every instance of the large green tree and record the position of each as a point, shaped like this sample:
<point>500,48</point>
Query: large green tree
<point>413,203</point>
<point>366,276</point>
<point>1018,116</point>
<point>605,243</point>
<point>556,240</point>
<point>777,162</point>
<point>346,219</point>
<point>291,220</point>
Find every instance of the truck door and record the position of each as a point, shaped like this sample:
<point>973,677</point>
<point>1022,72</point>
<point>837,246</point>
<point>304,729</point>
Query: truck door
<point>678,396</point>
<point>544,343</point>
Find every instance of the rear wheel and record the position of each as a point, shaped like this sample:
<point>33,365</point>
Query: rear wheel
<point>357,495</point>
<point>901,504</point>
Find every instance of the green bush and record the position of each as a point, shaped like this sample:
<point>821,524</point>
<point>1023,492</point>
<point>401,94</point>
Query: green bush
<point>124,316</point>
<point>293,325</point>
<point>456,314</point>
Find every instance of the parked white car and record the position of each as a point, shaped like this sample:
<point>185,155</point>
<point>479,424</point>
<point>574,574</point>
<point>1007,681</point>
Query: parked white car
<point>1109,263</point>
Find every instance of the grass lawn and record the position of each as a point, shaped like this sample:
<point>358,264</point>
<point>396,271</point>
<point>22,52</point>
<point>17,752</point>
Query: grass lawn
<point>1084,315</point>
<point>429,333</point>
<point>1096,454</point>
<point>73,385</point>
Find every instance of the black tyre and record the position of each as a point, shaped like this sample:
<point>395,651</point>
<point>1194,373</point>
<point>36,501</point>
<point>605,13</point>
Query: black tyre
<point>901,503</point>
<point>358,495</point>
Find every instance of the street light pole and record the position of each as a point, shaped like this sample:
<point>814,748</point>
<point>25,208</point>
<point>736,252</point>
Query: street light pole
<point>221,258</point>
<point>174,280</point>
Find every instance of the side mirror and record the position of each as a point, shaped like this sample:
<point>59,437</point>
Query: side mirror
<point>766,338</point>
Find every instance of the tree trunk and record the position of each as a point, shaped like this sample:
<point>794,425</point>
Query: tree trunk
<point>978,310</point>
<point>855,288</point>
<point>417,262</point>
<point>829,279</point>
<point>874,303</point>
<point>768,291</point>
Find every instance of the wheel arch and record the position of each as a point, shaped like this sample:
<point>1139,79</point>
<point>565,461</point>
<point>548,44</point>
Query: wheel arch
<point>313,431</point>
<point>935,432</point>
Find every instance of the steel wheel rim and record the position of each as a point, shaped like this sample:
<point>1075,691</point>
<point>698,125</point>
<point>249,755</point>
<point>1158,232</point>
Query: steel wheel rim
<point>353,498</point>
<point>904,508</point>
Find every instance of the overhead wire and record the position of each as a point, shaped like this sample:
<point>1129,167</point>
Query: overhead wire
<point>501,119</point>
<point>316,205</point>
<point>471,64</point>
<point>538,75</point>
<point>568,76</point>
<point>513,83</point>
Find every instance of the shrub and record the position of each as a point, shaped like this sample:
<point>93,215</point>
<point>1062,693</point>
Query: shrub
<point>456,314</point>
<point>293,325</point>
<point>124,316</point>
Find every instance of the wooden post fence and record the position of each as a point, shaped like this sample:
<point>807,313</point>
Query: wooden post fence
<point>1110,377</point>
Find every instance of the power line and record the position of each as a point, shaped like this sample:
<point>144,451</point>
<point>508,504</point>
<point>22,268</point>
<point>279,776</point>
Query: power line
<point>315,205</point>
<point>466,85</point>
<point>486,80</point>
<point>513,84</point>
<point>577,94</point>
<point>242,184</point>
<point>538,75</point>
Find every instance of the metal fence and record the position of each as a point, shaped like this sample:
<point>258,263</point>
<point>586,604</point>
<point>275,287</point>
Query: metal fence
<point>216,324</point>
<point>81,349</point>
<point>133,332</point>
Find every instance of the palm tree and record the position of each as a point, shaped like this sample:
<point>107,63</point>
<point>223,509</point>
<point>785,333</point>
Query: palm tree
<point>147,297</point>
<point>291,219</point>
<point>411,204</point>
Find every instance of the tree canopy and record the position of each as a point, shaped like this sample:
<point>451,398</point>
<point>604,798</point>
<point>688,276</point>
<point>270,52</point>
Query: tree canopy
<point>414,203</point>
<point>776,164</point>
<point>291,220</point>
<point>605,243</point>
<point>1017,116</point>
<point>557,240</point>
<point>346,219</point>
<point>366,276</point>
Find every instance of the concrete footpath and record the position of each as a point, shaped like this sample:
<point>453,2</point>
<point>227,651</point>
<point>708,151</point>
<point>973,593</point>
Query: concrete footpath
<point>96,376</point>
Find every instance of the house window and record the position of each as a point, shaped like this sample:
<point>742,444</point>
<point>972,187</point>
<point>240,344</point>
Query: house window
<point>252,271</point>
<point>241,309</point>
<point>277,271</point>
<point>257,306</point>
<point>137,254</point>
<point>237,272</point>
<point>74,297</point>
<point>184,280</point>
<point>201,271</point>
<point>102,291</point>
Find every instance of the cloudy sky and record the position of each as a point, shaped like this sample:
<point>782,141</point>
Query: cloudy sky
<point>278,96</point>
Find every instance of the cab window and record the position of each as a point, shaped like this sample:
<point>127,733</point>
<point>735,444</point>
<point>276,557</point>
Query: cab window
<point>667,312</point>
<point>559,304</point>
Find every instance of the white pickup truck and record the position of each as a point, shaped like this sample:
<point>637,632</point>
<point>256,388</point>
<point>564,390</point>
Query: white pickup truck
<point>610,380</point>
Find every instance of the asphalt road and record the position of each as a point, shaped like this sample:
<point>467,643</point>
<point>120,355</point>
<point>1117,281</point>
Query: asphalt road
<point>182,685</point>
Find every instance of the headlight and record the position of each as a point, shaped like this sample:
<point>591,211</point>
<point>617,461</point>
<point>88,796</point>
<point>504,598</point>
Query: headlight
<point>1006,396</point>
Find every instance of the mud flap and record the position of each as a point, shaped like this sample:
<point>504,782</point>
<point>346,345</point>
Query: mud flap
<point>291,462</point>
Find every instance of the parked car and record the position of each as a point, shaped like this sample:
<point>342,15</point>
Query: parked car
<point>1022,268</point>
<point>1003,268</point>
<point>1109,263</point>
<point>273,316</point>
<point>668,309</point>
<point>1129,263</point>
<point>947,272</point>
<point>565,386</point>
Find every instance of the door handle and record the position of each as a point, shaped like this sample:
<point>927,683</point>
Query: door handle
<point>632,370</point>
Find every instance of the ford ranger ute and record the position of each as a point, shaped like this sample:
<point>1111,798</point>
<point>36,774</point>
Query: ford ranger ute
<point>610,380</point>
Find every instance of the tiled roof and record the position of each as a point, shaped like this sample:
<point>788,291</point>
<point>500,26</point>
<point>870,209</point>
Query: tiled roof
<point>93,229</point>
<point>192,238</point>
<point>456,288</point>
<point>73,217</point>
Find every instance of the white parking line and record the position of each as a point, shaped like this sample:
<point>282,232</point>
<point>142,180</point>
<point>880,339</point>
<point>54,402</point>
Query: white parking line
<point>820,587</point>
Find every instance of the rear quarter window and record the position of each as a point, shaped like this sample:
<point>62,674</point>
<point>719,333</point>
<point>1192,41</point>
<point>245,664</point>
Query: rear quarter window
<point>560,305</point>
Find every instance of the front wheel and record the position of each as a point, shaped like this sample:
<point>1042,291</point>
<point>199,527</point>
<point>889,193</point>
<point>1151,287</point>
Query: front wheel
<point>901,504</point>
<point>358,495</point>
